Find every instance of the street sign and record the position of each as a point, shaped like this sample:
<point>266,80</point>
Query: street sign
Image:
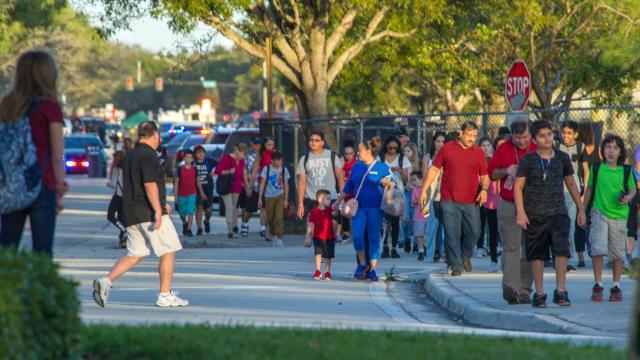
<point>209,84</point>
<point>518,86</point>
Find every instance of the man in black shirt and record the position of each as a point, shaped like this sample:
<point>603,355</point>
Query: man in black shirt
<point>541,210</point>
<point>147,217</point>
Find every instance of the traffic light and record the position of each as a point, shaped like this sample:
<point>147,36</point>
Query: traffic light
<point>159,84</point>
<point>129,83</point>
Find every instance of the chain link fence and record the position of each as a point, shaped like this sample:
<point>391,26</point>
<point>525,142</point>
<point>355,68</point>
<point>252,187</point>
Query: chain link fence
<point>290,135</point>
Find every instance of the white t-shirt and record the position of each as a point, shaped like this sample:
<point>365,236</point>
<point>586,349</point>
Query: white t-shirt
<point>319,173</point>
<point>406,164</point>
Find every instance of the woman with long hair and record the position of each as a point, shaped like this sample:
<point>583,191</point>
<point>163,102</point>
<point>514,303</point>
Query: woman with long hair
<point>115,213</point>
<point>33,93</point>
<point>399,165</point>
<point>410,152</point>
<point>263,159</point>
<point>367,180</point>
<point>233,164</point>
<point>434,229</point>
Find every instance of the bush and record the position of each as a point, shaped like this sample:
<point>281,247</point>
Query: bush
<point>38,309</point>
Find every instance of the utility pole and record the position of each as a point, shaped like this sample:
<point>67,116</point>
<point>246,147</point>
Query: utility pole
<point>139,67</point>
<point>269,96</point>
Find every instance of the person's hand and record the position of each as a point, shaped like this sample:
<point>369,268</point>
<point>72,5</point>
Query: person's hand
<point>285,204</point>
<point>62,188</point>
<point>522,220</point>
<point>582,219</point>
<point>232,171</point>
<point>307,241</point>
<point>300,211</point>
<point>158,218</point>
<point>512,170</point>
<point>167,208</point>
<point>59,204</point>
<point>388,183</point>
<point>481,199</point>
<point>260,203</point>
<point>203,196</point>
<point>624,200</point>
<point>396,169</point>
<point>422,201</point>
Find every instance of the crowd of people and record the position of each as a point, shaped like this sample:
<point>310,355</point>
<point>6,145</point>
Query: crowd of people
<point>536,195</point>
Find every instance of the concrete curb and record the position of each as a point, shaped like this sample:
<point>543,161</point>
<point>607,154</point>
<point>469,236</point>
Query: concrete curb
<point>478,313</point>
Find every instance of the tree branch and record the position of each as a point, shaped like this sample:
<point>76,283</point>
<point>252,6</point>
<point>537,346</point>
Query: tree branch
<point>252,48</point>
<point>338,34</point>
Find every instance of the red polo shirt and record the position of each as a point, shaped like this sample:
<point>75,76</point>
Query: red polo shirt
<point>505,156</point>
<point>462,169</point>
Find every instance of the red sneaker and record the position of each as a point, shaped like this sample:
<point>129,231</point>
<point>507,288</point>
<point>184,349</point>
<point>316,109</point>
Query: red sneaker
<point>596,294</point>
<point>317,275</point>
<point>615,295</point>
<point>327,276</point>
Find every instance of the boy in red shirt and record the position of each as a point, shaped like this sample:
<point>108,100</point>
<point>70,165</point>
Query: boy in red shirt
<point>320,228</point>
<point>186,186</point>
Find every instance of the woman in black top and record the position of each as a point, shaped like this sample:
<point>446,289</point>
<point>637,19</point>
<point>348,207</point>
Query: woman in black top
<point>590,155</point>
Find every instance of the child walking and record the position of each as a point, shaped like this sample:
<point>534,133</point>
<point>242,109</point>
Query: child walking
<point>115,212</point>
<point>186,187</point>
<point>541,210</point>
<point>611,187</point>
<point>419,221</point>
<point>274,189</point>
<point>320,229</point>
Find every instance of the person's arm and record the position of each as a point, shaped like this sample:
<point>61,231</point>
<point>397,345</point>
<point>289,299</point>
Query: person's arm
<point>57,157</point>
<point>481,199</point>
<point>309,234</point>
<point>263,183</point>
<point>302,187</point>
<point>245,181</point>
<point>585,174</point>
<point>632,191</point>
<point>588,192</point>
<point>285,180</point>
<point>570,182</point>
<point>339,176</point>
<point>199,185</point>
<point>254,171</point>
<point>425,165</point>
<point>153,195</point>
<point>432,175</point>
<point>522,220</point>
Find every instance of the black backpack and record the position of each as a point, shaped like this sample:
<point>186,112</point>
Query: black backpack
<point>596,169</point>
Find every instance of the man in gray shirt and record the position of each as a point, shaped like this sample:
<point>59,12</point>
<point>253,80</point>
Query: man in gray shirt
<point>574,149</point>
<point>317,170</point>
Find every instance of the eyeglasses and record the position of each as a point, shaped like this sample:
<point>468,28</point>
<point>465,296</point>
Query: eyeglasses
<point>315,140</point>
<point>392,148</point>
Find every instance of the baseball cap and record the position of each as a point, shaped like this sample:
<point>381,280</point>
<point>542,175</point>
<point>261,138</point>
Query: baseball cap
<point>256,140</point>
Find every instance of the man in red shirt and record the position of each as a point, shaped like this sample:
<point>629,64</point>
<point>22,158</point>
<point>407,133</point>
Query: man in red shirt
<point>516,272</point>
<point>464,187</point>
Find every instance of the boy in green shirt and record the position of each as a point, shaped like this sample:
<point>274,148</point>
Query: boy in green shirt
<point>614,188</point>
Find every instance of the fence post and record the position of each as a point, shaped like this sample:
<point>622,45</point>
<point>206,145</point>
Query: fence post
<point>485,124</point>
<point>361,135</point>
<point>296,143</point>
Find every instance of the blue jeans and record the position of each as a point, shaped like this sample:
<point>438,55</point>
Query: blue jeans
<point>371,219</point>
<point>42,217</point>
<point>407,227</point>
<point>432,235</point>
<point>460,221</point>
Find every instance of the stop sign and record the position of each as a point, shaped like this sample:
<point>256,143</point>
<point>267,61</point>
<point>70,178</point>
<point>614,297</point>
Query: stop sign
<point>518,86</point>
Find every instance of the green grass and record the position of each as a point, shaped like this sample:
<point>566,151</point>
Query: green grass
<point>200,342</point>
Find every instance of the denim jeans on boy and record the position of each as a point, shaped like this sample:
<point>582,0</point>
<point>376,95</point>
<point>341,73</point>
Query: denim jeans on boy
<point>42,217</point>
<point>460,221</point>
<point>572,212</point>
<point>432,235</point>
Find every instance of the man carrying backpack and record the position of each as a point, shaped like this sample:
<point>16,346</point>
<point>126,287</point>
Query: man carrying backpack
<point>318,169</point>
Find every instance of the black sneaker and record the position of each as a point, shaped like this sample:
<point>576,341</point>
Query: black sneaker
<point>235,229</point>
<point>189,233</point>
<point>539,301</point>
<point>207,227</point>
<point>184,229</point>
<point>199,232</point>
<point>407,246</point>
<point>415,249</point>
<point>561,298</point>
<point>571,268</point>
<point>581,264</point>
<point>394,254</point>
<point>420,256</point>
<point>456,273</point>
<point>244,230</point>
<point>385,252</point>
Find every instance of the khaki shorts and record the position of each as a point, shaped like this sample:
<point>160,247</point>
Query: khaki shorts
<point>163,241</point>
<point>607,236</point>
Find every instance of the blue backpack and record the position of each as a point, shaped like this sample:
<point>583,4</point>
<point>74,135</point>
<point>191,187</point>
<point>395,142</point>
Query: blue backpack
<point>20,172</point>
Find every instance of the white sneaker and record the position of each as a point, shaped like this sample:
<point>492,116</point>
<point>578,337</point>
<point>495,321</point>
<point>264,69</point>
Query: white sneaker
<point>493,268</point>
<point>171,300</point>
<point>479,253</point>
<point>274,242</point>
<point>280,243</point>
<point>101,289</point>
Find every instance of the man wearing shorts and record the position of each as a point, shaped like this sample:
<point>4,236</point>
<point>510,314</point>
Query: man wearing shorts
<point>147,217</point>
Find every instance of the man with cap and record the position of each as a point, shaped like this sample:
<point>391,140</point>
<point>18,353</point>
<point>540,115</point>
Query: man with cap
<point>248,201</point>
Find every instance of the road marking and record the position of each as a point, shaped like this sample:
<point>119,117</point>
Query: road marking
<point>80,196</point>
<point>83,212</point>
<point>219,287</point>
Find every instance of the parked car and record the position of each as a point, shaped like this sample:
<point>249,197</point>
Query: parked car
<point>75,153</point>
<point>189,143</point>
<point>242,135</point>
<point>170,149</point>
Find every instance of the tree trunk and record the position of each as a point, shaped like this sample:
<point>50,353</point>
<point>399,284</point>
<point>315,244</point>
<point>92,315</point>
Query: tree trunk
<point>313,104</point>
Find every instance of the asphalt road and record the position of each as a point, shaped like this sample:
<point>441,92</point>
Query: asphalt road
<point>257,285</point>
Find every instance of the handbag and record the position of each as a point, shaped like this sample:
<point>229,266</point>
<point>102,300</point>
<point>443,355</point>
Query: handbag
<point>350,208</point>
<point>223,184</point>
<point>392,201</point>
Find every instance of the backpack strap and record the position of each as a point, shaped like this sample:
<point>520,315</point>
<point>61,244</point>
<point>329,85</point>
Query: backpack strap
<point>580,147</point>
<point>268,171</point>
<point>364,177</point>
<point>594,170</point>
<point>306,160</point>
<point>627,173</point>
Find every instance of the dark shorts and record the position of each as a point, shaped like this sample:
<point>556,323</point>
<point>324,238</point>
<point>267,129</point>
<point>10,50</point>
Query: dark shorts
<point>324,248</point>
<point>542,233</point>
<point>203,204</point>
<point>248,204</point>
<point>311,204</point>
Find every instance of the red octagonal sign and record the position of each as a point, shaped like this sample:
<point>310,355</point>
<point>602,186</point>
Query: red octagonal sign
<point>518,86</point>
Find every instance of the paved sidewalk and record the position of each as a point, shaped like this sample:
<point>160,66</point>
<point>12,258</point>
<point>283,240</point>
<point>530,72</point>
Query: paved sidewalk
<point>477,298</point>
